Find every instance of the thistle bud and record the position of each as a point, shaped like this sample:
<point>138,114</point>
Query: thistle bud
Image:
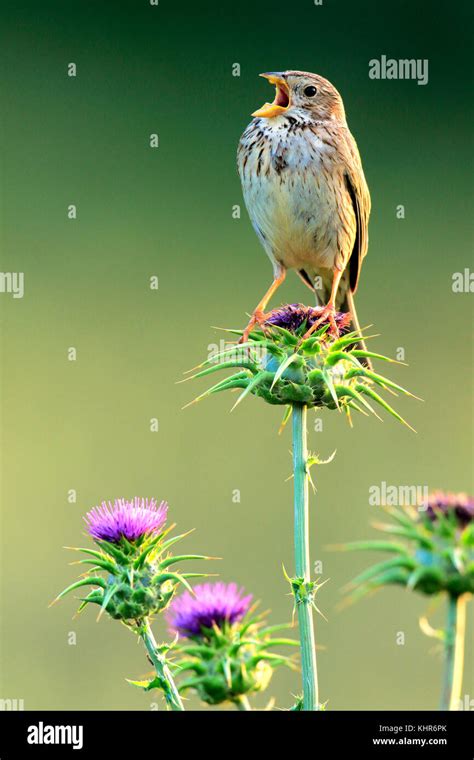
<point>323,370</point>
<point>437,554</point>
<point>223,644</point>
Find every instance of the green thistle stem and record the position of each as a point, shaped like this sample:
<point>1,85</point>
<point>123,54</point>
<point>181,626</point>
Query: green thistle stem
<point>171,693</point>
<point>302,562</point>
<point>454,652</point>
<point>242,703</point>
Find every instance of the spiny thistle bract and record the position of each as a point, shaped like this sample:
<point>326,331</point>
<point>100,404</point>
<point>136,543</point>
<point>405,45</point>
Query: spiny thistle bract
<point>134,555</point>
<point>438,552</point>
<point>223,643</point>
<point>322,370</point>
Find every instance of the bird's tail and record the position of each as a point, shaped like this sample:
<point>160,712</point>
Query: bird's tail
<point>349,306</point>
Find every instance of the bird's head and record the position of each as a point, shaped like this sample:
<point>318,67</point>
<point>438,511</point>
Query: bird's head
<point>298,91</point>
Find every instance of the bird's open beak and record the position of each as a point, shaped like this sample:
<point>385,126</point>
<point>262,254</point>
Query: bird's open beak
<point>282,97</point>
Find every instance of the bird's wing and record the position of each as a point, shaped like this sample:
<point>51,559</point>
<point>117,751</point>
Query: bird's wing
<point>360,199</point>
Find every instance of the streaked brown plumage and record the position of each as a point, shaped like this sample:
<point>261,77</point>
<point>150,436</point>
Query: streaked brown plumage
<point>305,190</point>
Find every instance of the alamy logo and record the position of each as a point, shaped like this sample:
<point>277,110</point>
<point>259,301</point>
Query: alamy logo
<point>402,68</point>
<point>46,734</point>
<point>386,495</point>
<point>12,282</point>
<point>11,704</point>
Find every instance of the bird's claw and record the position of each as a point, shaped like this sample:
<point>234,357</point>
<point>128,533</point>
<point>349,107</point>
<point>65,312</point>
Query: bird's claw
<point>327,314</point>
<point>258,318</point>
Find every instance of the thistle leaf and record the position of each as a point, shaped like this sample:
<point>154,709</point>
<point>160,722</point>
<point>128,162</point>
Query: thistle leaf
<point>380,567</point>
<point>176,577</point>
<point>338,356</point>
<point>251,385</point>
<point>375,396</point>
<point>182,558</point>
<point>283,366</point>
<point>99,564</point>
<point>223,365</point>
<point>285,419</point>
<point>239,380</point>
<point>107,597</point>
<point>346,390</point>
<point>171,541</point>
<point>371,355</point>
<point>376,546</point>
<point>391,577</point>
<point>380,380</point>
<point>91,580</point>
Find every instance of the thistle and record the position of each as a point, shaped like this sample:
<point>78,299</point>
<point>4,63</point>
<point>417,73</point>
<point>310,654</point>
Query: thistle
<point>322,371</point>
<point>131,573</point>
<point>223,644</point>
<point>435,557</point>
<point>281,366</point>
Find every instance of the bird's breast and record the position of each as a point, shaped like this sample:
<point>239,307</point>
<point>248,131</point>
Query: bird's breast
<point>294,191</point>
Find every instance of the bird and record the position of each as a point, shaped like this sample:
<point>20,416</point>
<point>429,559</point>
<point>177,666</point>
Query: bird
<point>306,193</point>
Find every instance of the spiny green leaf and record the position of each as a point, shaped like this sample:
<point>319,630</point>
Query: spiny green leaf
<point>375,397</point>
<point>395,577</point>
<point>251,385</point>
<point>190,683</point>
<point>411,534</point>
<point>376,546</point>
<point>337,356</point>
<point>181,558</point>
<point>380,567</point>
<point>91,580</point>
<point>95,597</point>
<point>329,382</point>
<point>171,541</point>
<point>176,577</point>
<point>223,365</point>
<point>154,683</point>
<point>353,337</point>
<point>112,550</point>
<point>107,597</point>
<point>194,665</point>
<point>371,355</point>
<point>239,380</point>
<point>291,339</point>
<point>424,574</point>
<point>283,366</point>
<point>380,380</point>
<point>347,390</point>
<point>197,650</point>
<point>278,642</point>
<point>102,564</point>
<point>352,405</point>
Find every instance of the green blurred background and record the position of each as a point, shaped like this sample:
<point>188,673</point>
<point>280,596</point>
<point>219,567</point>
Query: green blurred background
<point>167,212</point>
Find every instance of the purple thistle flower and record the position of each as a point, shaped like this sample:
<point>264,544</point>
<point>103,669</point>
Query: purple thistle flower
<point>446,503</point>
<point>129,519</point>
<point>213,603</point>
<point>292,316</point>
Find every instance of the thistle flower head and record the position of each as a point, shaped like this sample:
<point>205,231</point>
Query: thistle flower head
<point>295,316</point>
<point>132,576</point>
<point>436,554</point>
<point>135,519</point>
<point>225,647</point>
<point>210,604</point>
<point>457,506</point>
<point>281,366</point>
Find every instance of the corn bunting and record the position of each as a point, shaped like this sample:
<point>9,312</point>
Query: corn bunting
<point>305,191</point>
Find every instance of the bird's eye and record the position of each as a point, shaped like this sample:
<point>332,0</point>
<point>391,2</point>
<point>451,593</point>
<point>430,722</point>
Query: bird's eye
<point>310,91</point>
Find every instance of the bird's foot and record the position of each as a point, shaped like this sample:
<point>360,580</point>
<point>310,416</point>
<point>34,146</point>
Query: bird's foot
<point>327,315</point>
<point>258,318</point>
